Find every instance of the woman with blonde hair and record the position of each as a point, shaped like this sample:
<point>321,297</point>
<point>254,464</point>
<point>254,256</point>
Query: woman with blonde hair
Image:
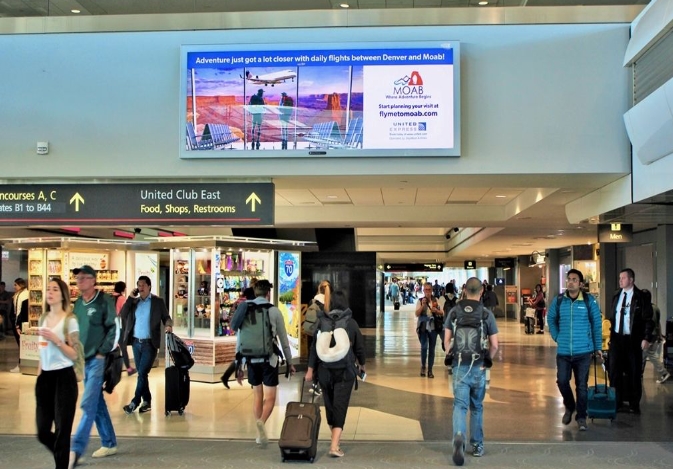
<point>319,303</point>
<point>56,385</point>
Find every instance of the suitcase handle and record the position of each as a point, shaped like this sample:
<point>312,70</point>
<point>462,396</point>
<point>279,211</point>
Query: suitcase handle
<point>607,384</point>
<point>301,391</point>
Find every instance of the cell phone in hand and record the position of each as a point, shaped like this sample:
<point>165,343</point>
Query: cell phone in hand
<point>362,375</point>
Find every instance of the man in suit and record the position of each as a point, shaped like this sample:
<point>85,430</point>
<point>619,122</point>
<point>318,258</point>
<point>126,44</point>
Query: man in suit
<point>631,332</point>
<point>142,316</point>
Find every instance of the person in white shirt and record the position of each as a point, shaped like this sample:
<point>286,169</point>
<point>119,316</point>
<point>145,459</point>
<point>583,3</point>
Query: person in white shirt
<point>56,387</point>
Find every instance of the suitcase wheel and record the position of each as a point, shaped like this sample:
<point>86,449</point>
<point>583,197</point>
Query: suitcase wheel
<point>168,412</point>
<point>282,459</point>
<point>181,411</point>
<point>311,460</point>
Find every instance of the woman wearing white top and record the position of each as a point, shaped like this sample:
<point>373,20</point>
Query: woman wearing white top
<point>56,386</point>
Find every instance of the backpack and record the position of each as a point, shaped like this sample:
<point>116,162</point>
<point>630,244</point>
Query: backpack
<point>470,342</point>
<point>255,334</point>
<point>311,319</point>
<point>332,343</point>
<point>78,363</point>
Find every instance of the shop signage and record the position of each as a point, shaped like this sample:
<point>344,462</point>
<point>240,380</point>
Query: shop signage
<point>413,267</point>
<point>469,265</point>
<point>504,262</point>
<point>615,233</point>
<point>500,281</point>
<point>138,204</point>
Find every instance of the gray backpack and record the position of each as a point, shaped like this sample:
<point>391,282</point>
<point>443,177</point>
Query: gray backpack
<point>256,335</point>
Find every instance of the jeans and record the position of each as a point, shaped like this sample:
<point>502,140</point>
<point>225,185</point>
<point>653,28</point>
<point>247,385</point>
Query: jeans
<point>469,389</point>
<point>579,366</point>
<point>428,345</point>
<point>144,354</point>
<point>94,409</point>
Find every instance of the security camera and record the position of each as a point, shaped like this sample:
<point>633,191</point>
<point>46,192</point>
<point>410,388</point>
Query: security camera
<point>137,230</point>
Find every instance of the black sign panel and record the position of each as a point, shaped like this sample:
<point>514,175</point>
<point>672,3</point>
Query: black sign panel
<point>615,233</point>
<point>413,267</point>
<point>504,262</point>
<point>138,204</point>
<point>469,265</point>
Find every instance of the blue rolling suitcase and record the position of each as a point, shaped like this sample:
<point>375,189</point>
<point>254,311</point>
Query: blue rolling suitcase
<point>602,399</point>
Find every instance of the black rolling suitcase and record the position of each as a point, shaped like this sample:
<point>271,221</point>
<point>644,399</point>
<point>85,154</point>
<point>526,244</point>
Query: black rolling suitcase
<point>396,306</point>
<point>299,436</point>
<point>177,381</point>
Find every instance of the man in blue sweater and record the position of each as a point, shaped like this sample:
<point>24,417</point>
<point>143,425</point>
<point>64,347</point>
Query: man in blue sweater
<point>576,327</point>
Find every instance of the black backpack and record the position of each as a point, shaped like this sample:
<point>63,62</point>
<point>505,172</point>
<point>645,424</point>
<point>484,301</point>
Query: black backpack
<point>470,341</point>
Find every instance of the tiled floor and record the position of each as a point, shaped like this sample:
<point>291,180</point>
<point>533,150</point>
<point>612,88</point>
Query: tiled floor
<point>522,404</point>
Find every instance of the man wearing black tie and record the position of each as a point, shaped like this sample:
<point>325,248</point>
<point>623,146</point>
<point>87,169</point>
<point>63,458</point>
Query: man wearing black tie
<point>630,333</point>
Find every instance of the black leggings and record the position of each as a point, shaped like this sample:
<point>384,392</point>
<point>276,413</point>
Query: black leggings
<point>56,400</point>
<point>337,386</point>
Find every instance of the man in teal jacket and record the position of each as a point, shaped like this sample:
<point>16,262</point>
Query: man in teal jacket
<point>576,327</point>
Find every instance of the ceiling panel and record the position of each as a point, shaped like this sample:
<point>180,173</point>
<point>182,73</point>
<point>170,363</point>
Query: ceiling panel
<point>371,196</point>
<point>467,194</point>
<point>399,195</point>
<point>433,195</point>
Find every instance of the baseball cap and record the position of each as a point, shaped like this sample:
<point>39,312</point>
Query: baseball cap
<point>86,269</point>
<point>283,93</point>
<point>261,90</point>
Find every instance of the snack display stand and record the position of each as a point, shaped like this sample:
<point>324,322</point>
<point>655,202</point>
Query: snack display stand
<point>207,274</point>
<point>56,257</point>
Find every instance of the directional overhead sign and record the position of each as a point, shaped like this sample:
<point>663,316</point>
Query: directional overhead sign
<point>413,267</point>
<point>138,204</point>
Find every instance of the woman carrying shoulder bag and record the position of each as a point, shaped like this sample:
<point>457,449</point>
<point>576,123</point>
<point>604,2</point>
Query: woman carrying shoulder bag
<point>56,386</point>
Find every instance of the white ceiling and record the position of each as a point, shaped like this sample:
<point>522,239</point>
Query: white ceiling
<point>25,8</point>
<point>403,219</point>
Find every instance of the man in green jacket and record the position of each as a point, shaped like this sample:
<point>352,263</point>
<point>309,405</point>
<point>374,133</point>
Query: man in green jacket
<point>96,315</point>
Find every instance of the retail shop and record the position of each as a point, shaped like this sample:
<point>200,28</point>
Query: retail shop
<point>52,257</point>
<point>207,276</point>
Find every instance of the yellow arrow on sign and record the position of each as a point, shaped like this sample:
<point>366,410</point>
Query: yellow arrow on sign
<point>77,199</point>
<point>252,200</point>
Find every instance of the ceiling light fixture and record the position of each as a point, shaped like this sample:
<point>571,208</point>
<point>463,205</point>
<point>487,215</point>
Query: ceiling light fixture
<point>332,197</point>
<point>500,196</point>
<point>344,5</point>
<point>483,3</point>
<point>75,11</point>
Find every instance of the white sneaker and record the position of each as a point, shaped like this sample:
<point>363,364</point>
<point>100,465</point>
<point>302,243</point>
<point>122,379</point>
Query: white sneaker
<point>104,451</point>
<point>16,369</point>
<point>664,377</point>
<point>263,439</point>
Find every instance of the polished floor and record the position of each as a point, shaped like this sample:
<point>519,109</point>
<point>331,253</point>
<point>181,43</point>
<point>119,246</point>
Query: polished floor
<point>395,404</point>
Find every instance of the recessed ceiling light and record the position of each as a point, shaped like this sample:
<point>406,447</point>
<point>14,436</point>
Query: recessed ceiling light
<point>483,3</point>
<point>332,197</point>
<point>75,11</point>
<point>344,5</point>
<point>500,196</point>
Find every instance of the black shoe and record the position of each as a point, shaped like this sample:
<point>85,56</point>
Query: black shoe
<point>430,375</point>
<point>422,372</point>
<point>567,417</point>
<point>635,410</point>
<point>458,449</point>
<point>224,381</point>
<point>145,407</point>
<point>540,332</point>
<point>130,408</point>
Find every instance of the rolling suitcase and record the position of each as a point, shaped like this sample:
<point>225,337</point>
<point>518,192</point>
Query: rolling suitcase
<point>602,399</point>
<point>529,321</point>
<point>177,382</point>
<point>396,306</point>
<point>299,436</point>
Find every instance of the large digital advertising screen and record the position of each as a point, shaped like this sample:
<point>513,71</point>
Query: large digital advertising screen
<point>369,100</point>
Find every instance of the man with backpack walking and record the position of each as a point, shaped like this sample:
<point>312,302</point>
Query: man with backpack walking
<point>260,326</point>
<point>476,342</point>
<point>575,325</point>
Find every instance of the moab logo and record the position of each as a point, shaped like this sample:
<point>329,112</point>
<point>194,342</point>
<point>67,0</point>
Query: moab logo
<point>409,85</point>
